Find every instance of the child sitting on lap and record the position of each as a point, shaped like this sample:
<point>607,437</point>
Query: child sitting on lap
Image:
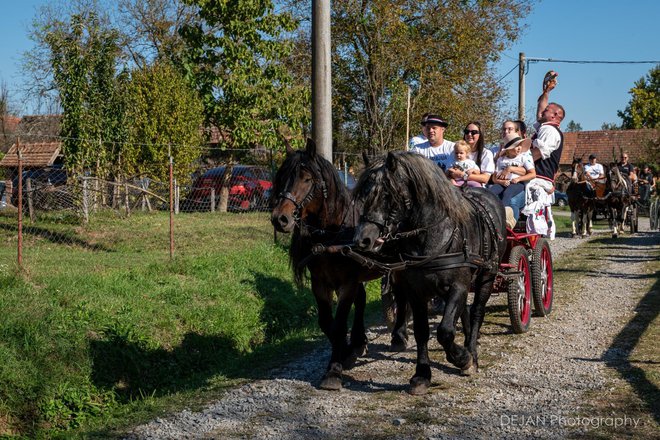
<point>514,166</point>
<point>468,166</point>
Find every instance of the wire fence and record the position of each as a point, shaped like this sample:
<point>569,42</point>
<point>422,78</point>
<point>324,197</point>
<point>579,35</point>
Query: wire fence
<point>47,208</point>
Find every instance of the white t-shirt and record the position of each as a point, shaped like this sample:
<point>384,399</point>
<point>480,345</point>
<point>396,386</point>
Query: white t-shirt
<point>464,165</point>
<point>487,161</point>
<point>594,171</point>
<point>442,155</point>
<point>522,160</point>
<point>547,139</point>
<point>416,140</point>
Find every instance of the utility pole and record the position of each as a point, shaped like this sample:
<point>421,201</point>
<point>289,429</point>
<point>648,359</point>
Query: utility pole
<point>521,86</point>
<point>321,78</point>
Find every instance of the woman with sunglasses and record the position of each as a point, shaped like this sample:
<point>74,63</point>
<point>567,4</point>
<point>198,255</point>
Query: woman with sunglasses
<point>483,157</point>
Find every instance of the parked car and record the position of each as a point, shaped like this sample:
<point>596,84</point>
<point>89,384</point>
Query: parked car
<point>249,189</point>
<point>52,176</point>
<point>561,199</point>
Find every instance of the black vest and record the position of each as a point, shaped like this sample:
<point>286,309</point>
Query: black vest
<point>547,168</point>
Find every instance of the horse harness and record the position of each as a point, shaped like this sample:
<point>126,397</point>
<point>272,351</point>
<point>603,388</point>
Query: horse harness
<point>440,260</point>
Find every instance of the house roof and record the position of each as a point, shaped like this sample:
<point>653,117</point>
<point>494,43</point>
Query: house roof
<point>605,144</point>
<point>35,155</point>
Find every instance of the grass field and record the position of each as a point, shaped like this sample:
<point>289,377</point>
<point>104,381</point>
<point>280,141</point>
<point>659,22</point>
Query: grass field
<point>101,329</point>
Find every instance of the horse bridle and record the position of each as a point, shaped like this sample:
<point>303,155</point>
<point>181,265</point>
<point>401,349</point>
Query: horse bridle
<point>387,230</point>
<point>316,183</point>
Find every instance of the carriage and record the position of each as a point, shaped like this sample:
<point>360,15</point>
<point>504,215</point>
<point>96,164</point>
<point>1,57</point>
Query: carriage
<point>526,277</point>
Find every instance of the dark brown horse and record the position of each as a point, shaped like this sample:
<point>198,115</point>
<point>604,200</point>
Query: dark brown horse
<point>580,199</point>
<point>311,202</point>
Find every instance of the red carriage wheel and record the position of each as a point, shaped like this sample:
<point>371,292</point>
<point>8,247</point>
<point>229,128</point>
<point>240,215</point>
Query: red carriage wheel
<point>520,291</point>
<point>542,283</point>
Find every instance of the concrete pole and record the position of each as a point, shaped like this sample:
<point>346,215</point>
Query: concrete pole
<point>321,78</point>
<point>521,86</point>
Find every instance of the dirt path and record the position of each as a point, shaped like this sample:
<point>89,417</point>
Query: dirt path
<point>541,384</point>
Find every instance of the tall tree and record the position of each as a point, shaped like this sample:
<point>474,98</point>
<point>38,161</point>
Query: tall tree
<point>151,29</point>
<point>166,115</point>
<point>610,126</point>
<point>643,110</point>
<point>234,59</point>
<point>444,51</point>
<point>573,126</point>
<point>83,56</point>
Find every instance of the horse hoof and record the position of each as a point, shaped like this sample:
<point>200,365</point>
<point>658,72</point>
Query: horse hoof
<point>331,383</point>
<point>350,360</point>
<point>419,386</point>
<point>469,369</point>
<point>398,347</point>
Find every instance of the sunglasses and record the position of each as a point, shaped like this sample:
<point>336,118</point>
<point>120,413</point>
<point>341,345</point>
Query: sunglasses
<point>472,132</point>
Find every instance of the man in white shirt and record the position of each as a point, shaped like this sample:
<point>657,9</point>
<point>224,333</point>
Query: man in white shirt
<point>595,174</point>
<point>422,137</point>
<point>436,148</point>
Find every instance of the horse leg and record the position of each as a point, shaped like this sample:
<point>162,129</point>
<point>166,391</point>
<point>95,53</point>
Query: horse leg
<point>358,345</point>
<point>483,288</point>
<point>332,378</point>
<point>421,380</point>
<point>573,221</point>
<point>612,221</point>
<point>456,354</point>
<point>400,331</point>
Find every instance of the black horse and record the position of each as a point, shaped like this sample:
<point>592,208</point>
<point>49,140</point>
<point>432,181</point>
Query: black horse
<point>580,199</point>
<point>451,239</point>
<point>311,202</point>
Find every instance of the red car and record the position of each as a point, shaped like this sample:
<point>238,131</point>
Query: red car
<point>249,189</point>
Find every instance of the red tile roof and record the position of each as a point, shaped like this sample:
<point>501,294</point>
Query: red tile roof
<point>34,155</point>
<point>605,143</point>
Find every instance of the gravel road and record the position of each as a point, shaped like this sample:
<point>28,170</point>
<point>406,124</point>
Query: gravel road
<point>530,386</point>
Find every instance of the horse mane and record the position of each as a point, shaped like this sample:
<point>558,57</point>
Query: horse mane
<point>401,173</point>
<point>333,213</point>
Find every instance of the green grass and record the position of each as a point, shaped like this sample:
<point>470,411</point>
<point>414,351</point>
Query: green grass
<point>101,329</point>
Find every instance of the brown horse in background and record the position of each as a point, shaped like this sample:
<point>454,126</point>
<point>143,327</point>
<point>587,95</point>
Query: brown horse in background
<point>580,199</point>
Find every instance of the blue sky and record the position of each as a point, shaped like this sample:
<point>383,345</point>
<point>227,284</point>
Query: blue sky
<point>567,30</point>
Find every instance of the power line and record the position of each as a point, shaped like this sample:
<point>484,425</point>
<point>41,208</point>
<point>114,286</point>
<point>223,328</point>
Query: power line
<point>552,60</point>
<point>507,74</point>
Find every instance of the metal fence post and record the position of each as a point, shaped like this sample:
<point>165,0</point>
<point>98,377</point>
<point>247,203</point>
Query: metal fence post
<point>20,203</point>
<point>212,199</point>
<point>28,183</point>
<point>171,206</point>
<point>85,200</point>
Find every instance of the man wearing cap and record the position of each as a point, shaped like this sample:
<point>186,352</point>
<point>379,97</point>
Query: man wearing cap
<point>595,176</point>
<point>436,148</point>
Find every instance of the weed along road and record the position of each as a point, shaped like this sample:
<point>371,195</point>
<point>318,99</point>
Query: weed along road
<point>589,369</point>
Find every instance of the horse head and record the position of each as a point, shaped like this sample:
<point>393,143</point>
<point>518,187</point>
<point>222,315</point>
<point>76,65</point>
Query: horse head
<point>301,187</point>
<point>577,169</point>
<point>616,181</point>
<point>400,193</point>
